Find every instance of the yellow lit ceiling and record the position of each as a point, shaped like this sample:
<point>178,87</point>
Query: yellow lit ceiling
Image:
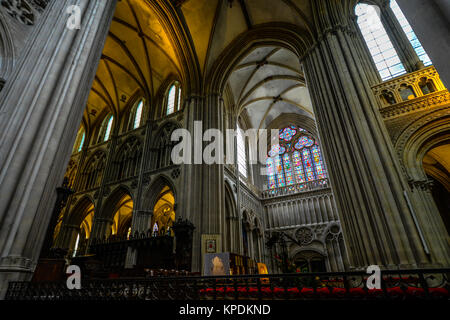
<point>139,54</point>
<point>436,163</point>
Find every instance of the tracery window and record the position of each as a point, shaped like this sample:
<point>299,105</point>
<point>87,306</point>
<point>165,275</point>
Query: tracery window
<point>410,34</point>
<point>93,171</point>
<point>135,119</point>
<point>296,160</point>
<point>241,153</point>
<point>105,129</point>
<point>173,98</point>
<point>127,161</point>
<point>380,46</point>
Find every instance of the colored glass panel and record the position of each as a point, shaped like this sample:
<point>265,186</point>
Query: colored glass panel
<point>271,173</point>
<point>304,142</point>
<point>288,170</point>
<point>298,167</point>
<point>287,134</point>
<point>318,163</point>
<point>309,169</point>
<point>276,150</point>
<point>279,170</point>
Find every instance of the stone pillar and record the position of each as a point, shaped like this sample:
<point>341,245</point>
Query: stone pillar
<point>400,41</point>
<point>433,228</point>
<point>204,204</point>
<point>41,107</point>
<point>365,173</point>
<point>430,22</point>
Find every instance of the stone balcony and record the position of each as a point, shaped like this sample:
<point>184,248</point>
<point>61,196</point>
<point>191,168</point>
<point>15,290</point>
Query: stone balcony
<point>416,91</point>
<point>296,188</point>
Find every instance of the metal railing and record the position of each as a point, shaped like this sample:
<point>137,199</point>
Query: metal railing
<point>429,284</point>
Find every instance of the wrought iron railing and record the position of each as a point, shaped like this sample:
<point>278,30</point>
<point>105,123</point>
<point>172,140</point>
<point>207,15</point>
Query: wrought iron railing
<point>429,284</point>
<point>296,188</point>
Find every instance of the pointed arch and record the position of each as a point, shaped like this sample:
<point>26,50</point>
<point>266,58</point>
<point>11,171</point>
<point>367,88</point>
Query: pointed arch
<point>154,191</point>
<point>162,145</point>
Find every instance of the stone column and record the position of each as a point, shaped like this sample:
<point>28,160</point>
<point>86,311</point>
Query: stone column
<point>400,41</point>
<point>433,228</point>
<point>365,173</point>
<point>41,108</point>
<point>202,190</point>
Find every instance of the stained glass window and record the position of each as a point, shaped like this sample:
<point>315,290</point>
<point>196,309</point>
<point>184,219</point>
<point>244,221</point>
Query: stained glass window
<point>380,46</point>
<point>271,173</point>
<point>318,162</point>
<point>296,160</point>
<point>280,172</point>
<point>298,165</point>
<point>410,34</point>
<point>105,129</point>
<point>288,169</point>
<point>309,170</point>
<point>173,99</point>
<point>138,115</point>
<point>304,142</point>
<point>79,141</point>
<point>108,128</point>
<point>288,133</point>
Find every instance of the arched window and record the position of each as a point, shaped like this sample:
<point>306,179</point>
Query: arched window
<point>79,141</point>
<point>380,46</point>
<point>173,98</point>
<point>135,119</point>
<point>241,153</point>
<point>296,160</point>
<point>105,129</point>
<point>410,34</point>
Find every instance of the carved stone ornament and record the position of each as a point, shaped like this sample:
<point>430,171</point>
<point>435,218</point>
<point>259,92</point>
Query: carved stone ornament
<point>20,10</point>
<point>304,236</point>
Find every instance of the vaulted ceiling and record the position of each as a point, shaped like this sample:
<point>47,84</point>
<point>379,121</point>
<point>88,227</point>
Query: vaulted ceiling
<point>267,83</point>
<point>140,54</point>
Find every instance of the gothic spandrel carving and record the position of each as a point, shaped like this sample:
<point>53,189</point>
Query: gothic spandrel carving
<point>24,10</point>
<point>39,5</point>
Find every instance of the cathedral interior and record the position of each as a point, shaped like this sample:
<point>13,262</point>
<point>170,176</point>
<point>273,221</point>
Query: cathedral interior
<point>356,90</point>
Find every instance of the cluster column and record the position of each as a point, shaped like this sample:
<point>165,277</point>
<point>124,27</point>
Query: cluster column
<point>202,186</point>
<point>41,107</point>
<point>368,184</point>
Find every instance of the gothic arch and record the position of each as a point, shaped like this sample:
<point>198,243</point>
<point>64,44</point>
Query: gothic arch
<point>419,137</point>
<point>162,145</point>
<point>93,171</point>
<point>138,95</point>
<point>296,119</point>
<point>127,159</point>
<point>161,95</point>
<point>153,192</point>
<point>282,35</point>
<point>79,211</point>
<point>110,204</point>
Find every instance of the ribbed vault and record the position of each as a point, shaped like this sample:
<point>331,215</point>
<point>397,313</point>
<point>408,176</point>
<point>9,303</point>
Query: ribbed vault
<point>138,57</point>
<point>267,83</point>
